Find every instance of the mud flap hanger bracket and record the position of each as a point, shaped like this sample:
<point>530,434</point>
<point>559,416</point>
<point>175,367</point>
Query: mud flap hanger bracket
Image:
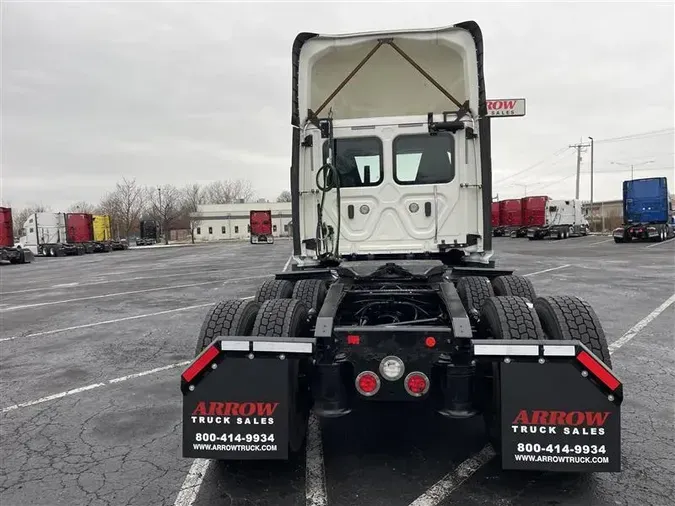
<point>244,347</point>
<point>543,351</point>
<point>313,116</point>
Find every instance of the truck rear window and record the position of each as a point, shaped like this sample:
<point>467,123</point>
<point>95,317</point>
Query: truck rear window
<point>424,159</point>
<point>352,156</point>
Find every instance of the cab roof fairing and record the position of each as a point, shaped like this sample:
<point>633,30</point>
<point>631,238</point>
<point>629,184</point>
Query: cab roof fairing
<point>448,54</point>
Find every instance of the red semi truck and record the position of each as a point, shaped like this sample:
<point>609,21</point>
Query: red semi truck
<point>495,215</point>
<point>80,230</point>
<point>8,252</point>
<point>510,217</point>
<point>533,213</point>
<point>261,227</point>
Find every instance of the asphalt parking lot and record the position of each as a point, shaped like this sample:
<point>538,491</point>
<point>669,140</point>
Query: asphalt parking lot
<point>92,347</point>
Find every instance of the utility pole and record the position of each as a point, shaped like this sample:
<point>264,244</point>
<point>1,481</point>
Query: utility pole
<point>578,147</point>
<point>592,217</point>
<point>632,166</point>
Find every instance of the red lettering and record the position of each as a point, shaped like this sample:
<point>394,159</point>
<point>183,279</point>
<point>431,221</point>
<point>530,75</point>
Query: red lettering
<point>246,409</point>
<point>497,105</point>
<point>557,418</point>
<point>540,418</point>
<point>575,418</point>
<point>522,418</point>
<point>596,417</point>
<point>200,409</point>
<point>239,409</point>
<point>267,408</point>
<point>572,418</point>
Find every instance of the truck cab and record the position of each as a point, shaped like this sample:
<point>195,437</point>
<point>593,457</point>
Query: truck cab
<point>378,170</point>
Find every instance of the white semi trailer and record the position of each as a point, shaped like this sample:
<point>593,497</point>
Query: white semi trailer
<point>45,234</point>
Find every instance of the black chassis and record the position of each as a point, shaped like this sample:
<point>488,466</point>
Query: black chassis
<point>419,286</point>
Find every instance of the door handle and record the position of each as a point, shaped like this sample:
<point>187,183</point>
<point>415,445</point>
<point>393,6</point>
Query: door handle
<point>350,211</point>
<point>427,209</point>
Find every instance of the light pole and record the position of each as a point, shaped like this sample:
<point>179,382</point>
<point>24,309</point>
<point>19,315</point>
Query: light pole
<point>592,217</point>
<point>632,166</point>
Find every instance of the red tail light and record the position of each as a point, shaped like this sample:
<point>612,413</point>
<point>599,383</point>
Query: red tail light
<point>598,370</point>
<point>430,342</point>
<point>417,384</point>
<point>353,339</point>
<point>367,383</point>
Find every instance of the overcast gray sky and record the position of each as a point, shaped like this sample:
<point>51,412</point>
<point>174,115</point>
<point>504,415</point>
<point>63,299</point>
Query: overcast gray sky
<point>183,92</point>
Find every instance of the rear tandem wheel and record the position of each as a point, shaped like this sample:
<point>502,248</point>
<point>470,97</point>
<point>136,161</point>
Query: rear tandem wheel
<point>289,318</point>
<point>227,318</point>
<point>571,318</point>
<point>506,317</point>
<point>274,289</point>
<point>514,285</point>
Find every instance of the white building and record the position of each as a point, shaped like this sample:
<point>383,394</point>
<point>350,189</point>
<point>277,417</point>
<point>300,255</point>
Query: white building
<point>231,221</point>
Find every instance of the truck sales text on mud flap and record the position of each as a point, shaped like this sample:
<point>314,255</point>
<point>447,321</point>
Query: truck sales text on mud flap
<point>243,413</point>
<point>547,422</point>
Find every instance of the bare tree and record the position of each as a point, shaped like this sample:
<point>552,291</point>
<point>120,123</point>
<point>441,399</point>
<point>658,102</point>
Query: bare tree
<point>82,207</point>
<point>124,205</point>
<point>165,206</point>
<point>284,196</point>
<point>193,195</point>
<point>228,192</point>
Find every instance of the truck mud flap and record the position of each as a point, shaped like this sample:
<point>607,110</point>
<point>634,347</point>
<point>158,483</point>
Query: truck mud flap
<point>560,406</point>
<point>237,398</point>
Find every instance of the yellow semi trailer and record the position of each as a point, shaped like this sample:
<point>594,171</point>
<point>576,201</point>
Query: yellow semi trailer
<point>103,232</point>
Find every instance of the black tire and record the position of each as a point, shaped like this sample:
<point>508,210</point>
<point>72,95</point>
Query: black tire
<point>571,318</point>
<point>618,240</point>
<point>274,289</point>
<point>288,318</point>
<point>227,318</point>
<point>506,317</point>
<point>310,291</point>
<point>517,286</point>
<point>473,292</point>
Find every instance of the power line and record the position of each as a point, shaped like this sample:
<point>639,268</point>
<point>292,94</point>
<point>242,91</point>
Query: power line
<point>638,136</point>
<point>556,153</point>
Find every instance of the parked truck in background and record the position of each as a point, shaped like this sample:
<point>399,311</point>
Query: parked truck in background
<point>80,230</point>
<point>46,234</point>
<point>8,252</point>
<point>646,211</point>
<point>533,212</point>
<point>103,233</point>
<point>149,233</point>
<point>495,216</point>
<point>510,217</point>
<point>261,227</point>
<point>563,219</point>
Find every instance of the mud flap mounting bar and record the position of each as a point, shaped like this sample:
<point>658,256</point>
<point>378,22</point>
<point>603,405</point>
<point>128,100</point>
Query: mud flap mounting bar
<point>559,406</point>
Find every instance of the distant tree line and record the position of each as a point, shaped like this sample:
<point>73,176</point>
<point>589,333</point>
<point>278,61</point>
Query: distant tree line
<point>170,206</point>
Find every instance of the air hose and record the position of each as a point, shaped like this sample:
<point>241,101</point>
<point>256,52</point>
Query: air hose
<point>331,180</point>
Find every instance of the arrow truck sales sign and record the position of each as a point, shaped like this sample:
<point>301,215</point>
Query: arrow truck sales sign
<point>506,107</point>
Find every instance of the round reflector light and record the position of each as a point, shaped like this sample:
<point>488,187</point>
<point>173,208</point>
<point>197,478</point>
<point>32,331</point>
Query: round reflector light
<point>367,383</point>
<point>430,342</point>
<point>392,368</point>
<point>417,384</point>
